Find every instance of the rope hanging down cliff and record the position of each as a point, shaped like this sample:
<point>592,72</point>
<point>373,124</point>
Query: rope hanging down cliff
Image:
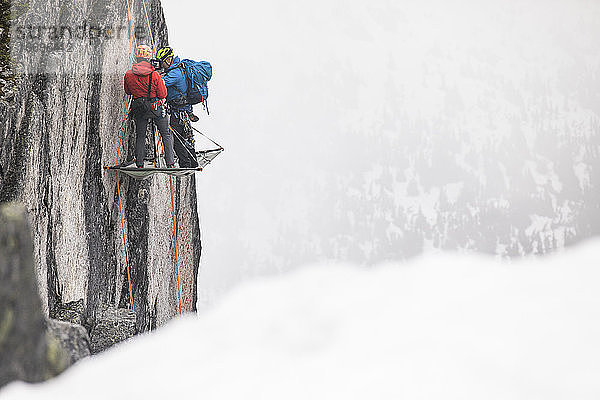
<point>203,158</point>
<point>133,40</point>
<point>127,108</point>
<point>170,181</point>
<point>126,115</point>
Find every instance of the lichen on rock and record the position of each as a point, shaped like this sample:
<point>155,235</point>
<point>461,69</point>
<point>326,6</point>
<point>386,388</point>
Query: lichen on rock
<point>26,353</point>
<point>112,326</point>
<point>73,340</point>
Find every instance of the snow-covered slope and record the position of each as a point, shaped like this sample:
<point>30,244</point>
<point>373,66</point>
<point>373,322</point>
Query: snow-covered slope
<point>441,327</point>
<point>368,131</point>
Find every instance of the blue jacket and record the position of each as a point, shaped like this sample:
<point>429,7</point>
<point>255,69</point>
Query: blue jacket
<point>175,82</point>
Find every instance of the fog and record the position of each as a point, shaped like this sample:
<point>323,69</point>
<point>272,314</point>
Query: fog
<point>366,132</point>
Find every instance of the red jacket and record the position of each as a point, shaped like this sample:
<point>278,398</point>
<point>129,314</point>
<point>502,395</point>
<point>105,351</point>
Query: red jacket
<point>136,81</point>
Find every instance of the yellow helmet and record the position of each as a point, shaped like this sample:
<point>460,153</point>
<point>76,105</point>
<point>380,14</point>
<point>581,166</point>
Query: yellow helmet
<point>143,51</point>
<point>164,52</point>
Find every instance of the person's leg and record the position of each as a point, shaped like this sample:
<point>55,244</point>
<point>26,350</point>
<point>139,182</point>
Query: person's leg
<point>184,153</point>
<point>167,136</point>
<point>141,124</point>
<point>188,139</point>
<point>192,162</point>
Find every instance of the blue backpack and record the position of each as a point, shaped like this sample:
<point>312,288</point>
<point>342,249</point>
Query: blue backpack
<point>196,73</point>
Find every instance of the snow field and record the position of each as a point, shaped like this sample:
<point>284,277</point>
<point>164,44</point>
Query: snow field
<point>441,327</point>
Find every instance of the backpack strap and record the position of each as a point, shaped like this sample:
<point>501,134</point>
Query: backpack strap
<point>150,85</point>
<point>185,77</point>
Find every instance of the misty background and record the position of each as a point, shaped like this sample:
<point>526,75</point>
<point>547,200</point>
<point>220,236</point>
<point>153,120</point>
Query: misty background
<point>374,131</point>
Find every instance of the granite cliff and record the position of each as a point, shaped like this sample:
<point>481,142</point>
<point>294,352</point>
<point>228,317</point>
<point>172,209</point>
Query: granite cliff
<point>61,114</point>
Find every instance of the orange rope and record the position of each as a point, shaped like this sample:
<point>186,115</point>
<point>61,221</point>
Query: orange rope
<point>174,233</point>
<point>170,178</point>
<point>132,38</point>
<point>125,245</point>
<point>121,206</point>
<point>126,112</point>
<point>175,236</point>
<point>149,27</point>
<point>123,128</point>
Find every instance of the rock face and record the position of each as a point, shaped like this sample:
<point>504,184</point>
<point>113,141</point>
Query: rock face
<point>6,76</point>
<point>112,326</point>
<point>56,135</point>
<point>26,352</point>
<point>73,312</point>
<point>73,339</point>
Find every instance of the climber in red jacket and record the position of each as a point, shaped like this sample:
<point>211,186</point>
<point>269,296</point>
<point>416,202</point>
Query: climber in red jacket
<point>149,91</point>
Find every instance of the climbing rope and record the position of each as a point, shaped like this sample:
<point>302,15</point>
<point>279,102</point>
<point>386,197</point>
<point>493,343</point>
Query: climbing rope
<point>132,40</point>
<point>121,206</point>
<point>149,27</point>
<point>175,238</point>
<point>132,45</point>
<point>126,113</point>
<point>170,178</point>
<point>174,227</point>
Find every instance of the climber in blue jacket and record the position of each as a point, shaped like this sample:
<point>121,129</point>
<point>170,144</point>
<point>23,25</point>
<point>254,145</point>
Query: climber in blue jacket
<point>181,113</point>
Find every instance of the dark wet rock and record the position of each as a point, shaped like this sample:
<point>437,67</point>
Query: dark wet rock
<point>72,338</point>
<point>6,75</point>
<point>112,326</point>
<point>25,352</point>
<point>72,312</point>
